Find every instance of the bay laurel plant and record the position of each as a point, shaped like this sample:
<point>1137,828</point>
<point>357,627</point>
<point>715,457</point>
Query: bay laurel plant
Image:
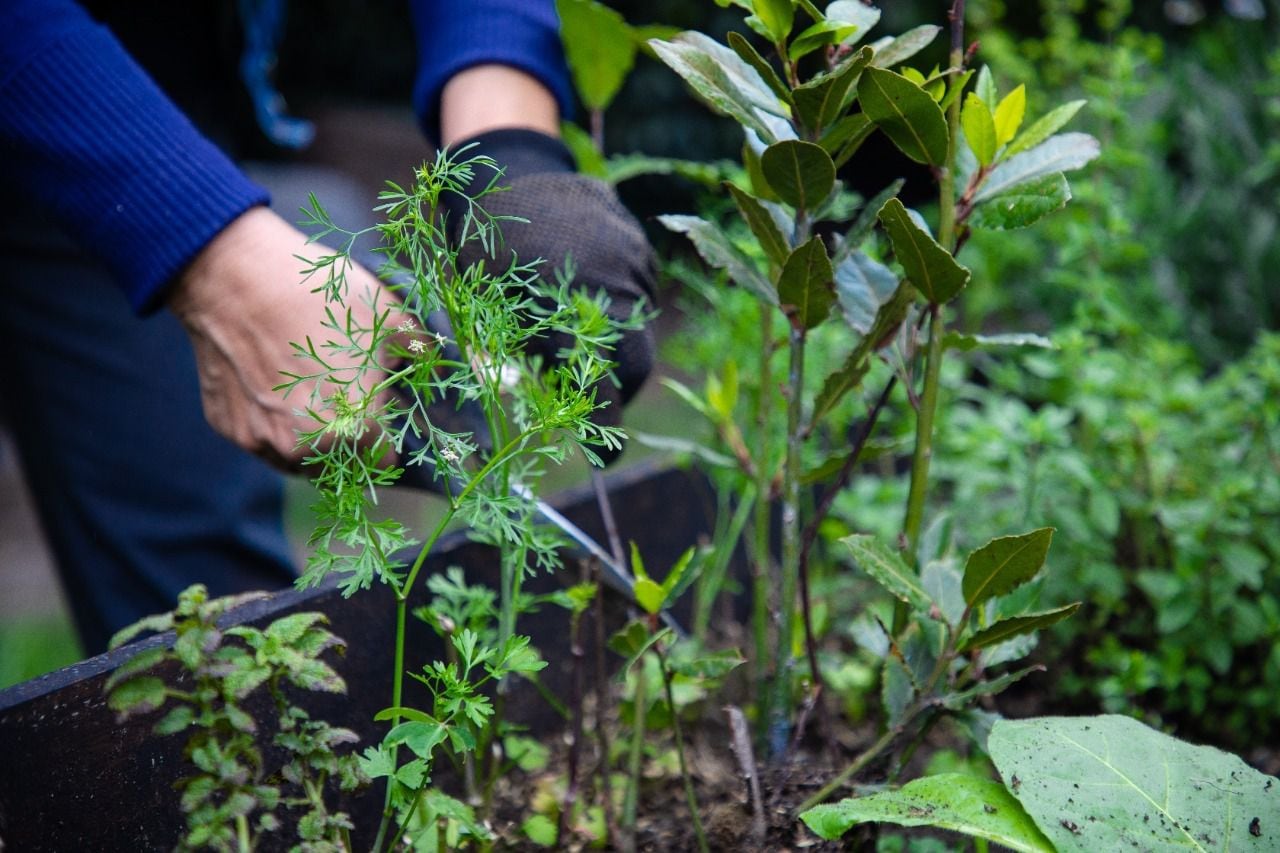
<point>805,114</point>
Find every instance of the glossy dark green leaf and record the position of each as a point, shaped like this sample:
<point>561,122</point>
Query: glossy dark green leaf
<point>907,114</point>
<point>715,249</point>
<point>931,268</point>
<point>806,288</point>
<point>599,48</point>
<point>762,224</point>
<point>801,173</point>
<point>819,35</point>
<point>726,83</point>
<point>822,100</point>
<point>962,699</point>
<point>965,342</point>
<point>1014,626</point>
<point>1023,205</point>
<point>1004,563</point>
<point>752,57</point>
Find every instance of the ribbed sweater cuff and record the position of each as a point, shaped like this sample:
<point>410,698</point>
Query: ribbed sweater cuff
<point>91,136</point>
<point>452,37</point>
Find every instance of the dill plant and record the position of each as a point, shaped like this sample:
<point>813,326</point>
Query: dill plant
<point>459,335</point>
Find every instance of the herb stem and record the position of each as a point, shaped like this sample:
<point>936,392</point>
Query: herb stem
<point>691,796</point>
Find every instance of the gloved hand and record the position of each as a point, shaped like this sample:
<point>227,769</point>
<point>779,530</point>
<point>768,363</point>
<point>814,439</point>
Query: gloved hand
<point>570,215</point>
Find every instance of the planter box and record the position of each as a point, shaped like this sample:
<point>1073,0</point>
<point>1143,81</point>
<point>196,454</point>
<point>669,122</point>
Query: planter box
<point>71,778</point>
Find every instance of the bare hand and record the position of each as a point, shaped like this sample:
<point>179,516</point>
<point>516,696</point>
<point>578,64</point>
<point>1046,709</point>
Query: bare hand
<point>242,301</point>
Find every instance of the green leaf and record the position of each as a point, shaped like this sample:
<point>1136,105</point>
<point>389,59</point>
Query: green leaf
<point>716,249</point>
<point>761,223</point>
<point>714,665</point>
<point>726,83</point>
<point>1015,626</point>
<point>806,289</point>
<point>894,51</point>
<point>1044,127</point>
<point>586,156</point>
<point>962,699</point>
<point>886,566</point>
<point>680,444</point>
<point>843,139</point>
<point>408,713</point>
<point>822,100</point>
<point>624,167</point>
<point>674,581</point>
<point>420,738</point>
<point>599,48</point>
<point>801,173</point>
<point>979,128</point>
<point>634,640</point>
<point>965,342</point>
<point>1060,153</point>
<point>906,113</point>
<point>649,595</point>
<point>158,623</point>
<point>637,562</point>
<point>1009,114</point>
<point>853,13</point>
<point>752,57</point>
<point>1004,564</point>
<point>863,285</point>
<point>139,663</point>
<point>974,806</point>
<point>777,17</point>
<point>541,830</point>
<point>175,721</point>
<point>137,696</point>
<point>1023,205</point>
<point>849,375</point>
<point>1112,783</point>
<point>930,267</point>
<point>819,35</point>
<point>985,86</point>
<point>289,629</point>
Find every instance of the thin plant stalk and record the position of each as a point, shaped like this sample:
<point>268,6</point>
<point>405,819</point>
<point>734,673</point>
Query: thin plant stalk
<point>789,585</point>
<point>634,757</point>
<point>691,796</point>
<point>602,707</point>
<point>761,552</point>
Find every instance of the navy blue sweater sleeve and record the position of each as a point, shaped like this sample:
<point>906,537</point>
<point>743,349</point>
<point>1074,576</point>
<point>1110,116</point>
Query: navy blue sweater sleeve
<point>453,36</point>
<point>87,135</point>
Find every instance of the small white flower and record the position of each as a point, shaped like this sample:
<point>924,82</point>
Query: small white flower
<point>441,340</point>
<point>448,454</point>
<point>417,347</point>
<point>406,326</point>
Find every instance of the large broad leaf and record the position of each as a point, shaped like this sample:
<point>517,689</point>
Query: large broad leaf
<point>822,100</point>
<point>1060,153</point>
<point>959,802</point>
<point>1023,205</point>
<point>1003,564</point>
<point>599,47</point>
<point>931,268</point>
<point>894,51</point>
<point>1112,783</point>
<point>906,113</point>
<point>728,85</point>
<point>716,249</point>
<point>1044,127</point>
<point>801,173</point>
<point>805,288</point>
<point>888,569</point>
<point>862,286</point>
<point>762,224</point>
<point>1015,626</point>
<point>777,17</point>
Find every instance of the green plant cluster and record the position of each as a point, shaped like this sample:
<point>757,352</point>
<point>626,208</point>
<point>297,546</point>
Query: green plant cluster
<point>230,801</point>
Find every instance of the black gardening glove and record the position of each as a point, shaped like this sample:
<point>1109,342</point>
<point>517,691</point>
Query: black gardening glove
<point>570,215</point>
